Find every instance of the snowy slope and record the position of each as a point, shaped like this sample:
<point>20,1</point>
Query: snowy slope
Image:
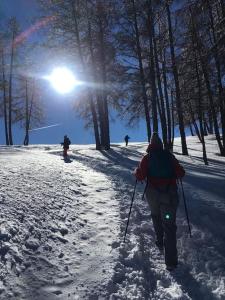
<point>62,226</point>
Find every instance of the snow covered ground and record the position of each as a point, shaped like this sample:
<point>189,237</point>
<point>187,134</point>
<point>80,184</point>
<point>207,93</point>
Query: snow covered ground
<point>62,226</point>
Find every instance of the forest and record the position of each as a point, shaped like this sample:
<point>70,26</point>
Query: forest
<point>160,61</point>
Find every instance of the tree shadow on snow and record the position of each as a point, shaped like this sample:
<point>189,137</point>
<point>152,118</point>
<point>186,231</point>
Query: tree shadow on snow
<point>115,159</point>
<point>119,158</point>
<point>212,162</point>
<point>206,178</point>
<point>204,191</point>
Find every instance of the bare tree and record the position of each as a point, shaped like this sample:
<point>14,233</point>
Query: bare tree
<point>177,84</point>
<point>4,88</point>
<point>14,31</point>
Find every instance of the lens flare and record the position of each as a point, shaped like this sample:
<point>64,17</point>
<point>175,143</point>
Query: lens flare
<point>62,80</point>
<point>167,216</point>
<point>28,32</point>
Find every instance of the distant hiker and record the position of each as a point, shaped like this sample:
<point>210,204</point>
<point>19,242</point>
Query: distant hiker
<point>161,169</point>
<point>126,139</point>
<point>66,143</point>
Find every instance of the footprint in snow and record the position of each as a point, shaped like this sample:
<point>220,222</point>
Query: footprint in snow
<point>165,282</point>
<point>53,290</point>
<point>32,244</point>
<point>63,231</point>
<point>101,202</point>
<point>99,213</point>
<point>115,244</point>
<point>84,237</point>
<point>77,192</point>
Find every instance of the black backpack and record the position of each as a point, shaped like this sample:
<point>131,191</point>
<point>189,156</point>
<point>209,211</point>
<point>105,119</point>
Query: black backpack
<point>160,164</point>
<point>66,142</point>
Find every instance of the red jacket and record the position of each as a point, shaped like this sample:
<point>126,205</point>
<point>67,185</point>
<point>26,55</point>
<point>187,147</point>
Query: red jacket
<point>142,170</point>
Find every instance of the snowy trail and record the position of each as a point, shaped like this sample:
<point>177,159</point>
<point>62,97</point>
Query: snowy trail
<point>140,272</point>
<point>62,227</point>
<point>54,227</point>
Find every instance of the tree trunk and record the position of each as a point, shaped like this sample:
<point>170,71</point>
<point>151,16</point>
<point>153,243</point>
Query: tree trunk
<point>26,139</point>
<point>141,72</point>
<point>101,119</point>
<point>212,107</point>
<point>95,123</point>
<point>200,113</point>
<point>173,123</point>
<point>191,130</point>
<point>193,121</point>
<point>93,68</point>
<point>29,113</point>
<point>177,85</point>
<point>91,102</point>
<point>206,127</point>
<point>197,131</point>
<point>4,99</point>
<point>219,77</point>
<point>208,86</point>
<point>103,78</point>
<point>10,89</point>
<point>152,67</point>
<point>159,108</point>
<point>210,120</point>
<point>162,105</point>
<point>168,113</point>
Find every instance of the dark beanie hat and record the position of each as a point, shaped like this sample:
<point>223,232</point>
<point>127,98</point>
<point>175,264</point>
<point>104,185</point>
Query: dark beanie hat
<point>155,141</point>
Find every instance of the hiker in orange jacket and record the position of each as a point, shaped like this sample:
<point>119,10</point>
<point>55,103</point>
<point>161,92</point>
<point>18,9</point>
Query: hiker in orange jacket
<point>162,169</point>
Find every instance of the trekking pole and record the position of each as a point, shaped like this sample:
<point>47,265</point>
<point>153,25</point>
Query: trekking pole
<point>144,190</point>
<point>132,200</point>
<point>185,207</point>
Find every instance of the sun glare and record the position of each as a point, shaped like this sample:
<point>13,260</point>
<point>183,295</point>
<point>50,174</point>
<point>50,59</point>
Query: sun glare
<point>62,80</point>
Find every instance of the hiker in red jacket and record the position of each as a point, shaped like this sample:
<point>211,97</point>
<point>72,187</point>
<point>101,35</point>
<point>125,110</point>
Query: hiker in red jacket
<point>162,169</point>
<point>66,144</point>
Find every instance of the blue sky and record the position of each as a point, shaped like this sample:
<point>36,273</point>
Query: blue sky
<point>22,9</point>
<point>58,110</point>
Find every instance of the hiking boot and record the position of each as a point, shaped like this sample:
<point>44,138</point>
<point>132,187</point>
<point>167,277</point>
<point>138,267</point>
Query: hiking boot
<point>171,268</point>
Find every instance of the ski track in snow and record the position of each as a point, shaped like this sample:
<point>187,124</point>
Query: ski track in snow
<point>68,242</point>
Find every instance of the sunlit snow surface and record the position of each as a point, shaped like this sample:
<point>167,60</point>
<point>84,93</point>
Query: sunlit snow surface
<point>62,226</point>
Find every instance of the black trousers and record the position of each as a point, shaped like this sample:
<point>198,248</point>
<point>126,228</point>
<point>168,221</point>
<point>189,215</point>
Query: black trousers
<point>163,204</point>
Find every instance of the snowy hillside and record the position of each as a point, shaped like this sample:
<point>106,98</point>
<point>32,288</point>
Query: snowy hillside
<point>62,226</point>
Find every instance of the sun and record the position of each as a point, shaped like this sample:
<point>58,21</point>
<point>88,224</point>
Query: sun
<point>62,80</point>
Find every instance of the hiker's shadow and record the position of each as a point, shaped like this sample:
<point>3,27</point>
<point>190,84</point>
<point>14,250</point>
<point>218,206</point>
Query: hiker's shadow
<point>190,285</point>
<point>67,160</point>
